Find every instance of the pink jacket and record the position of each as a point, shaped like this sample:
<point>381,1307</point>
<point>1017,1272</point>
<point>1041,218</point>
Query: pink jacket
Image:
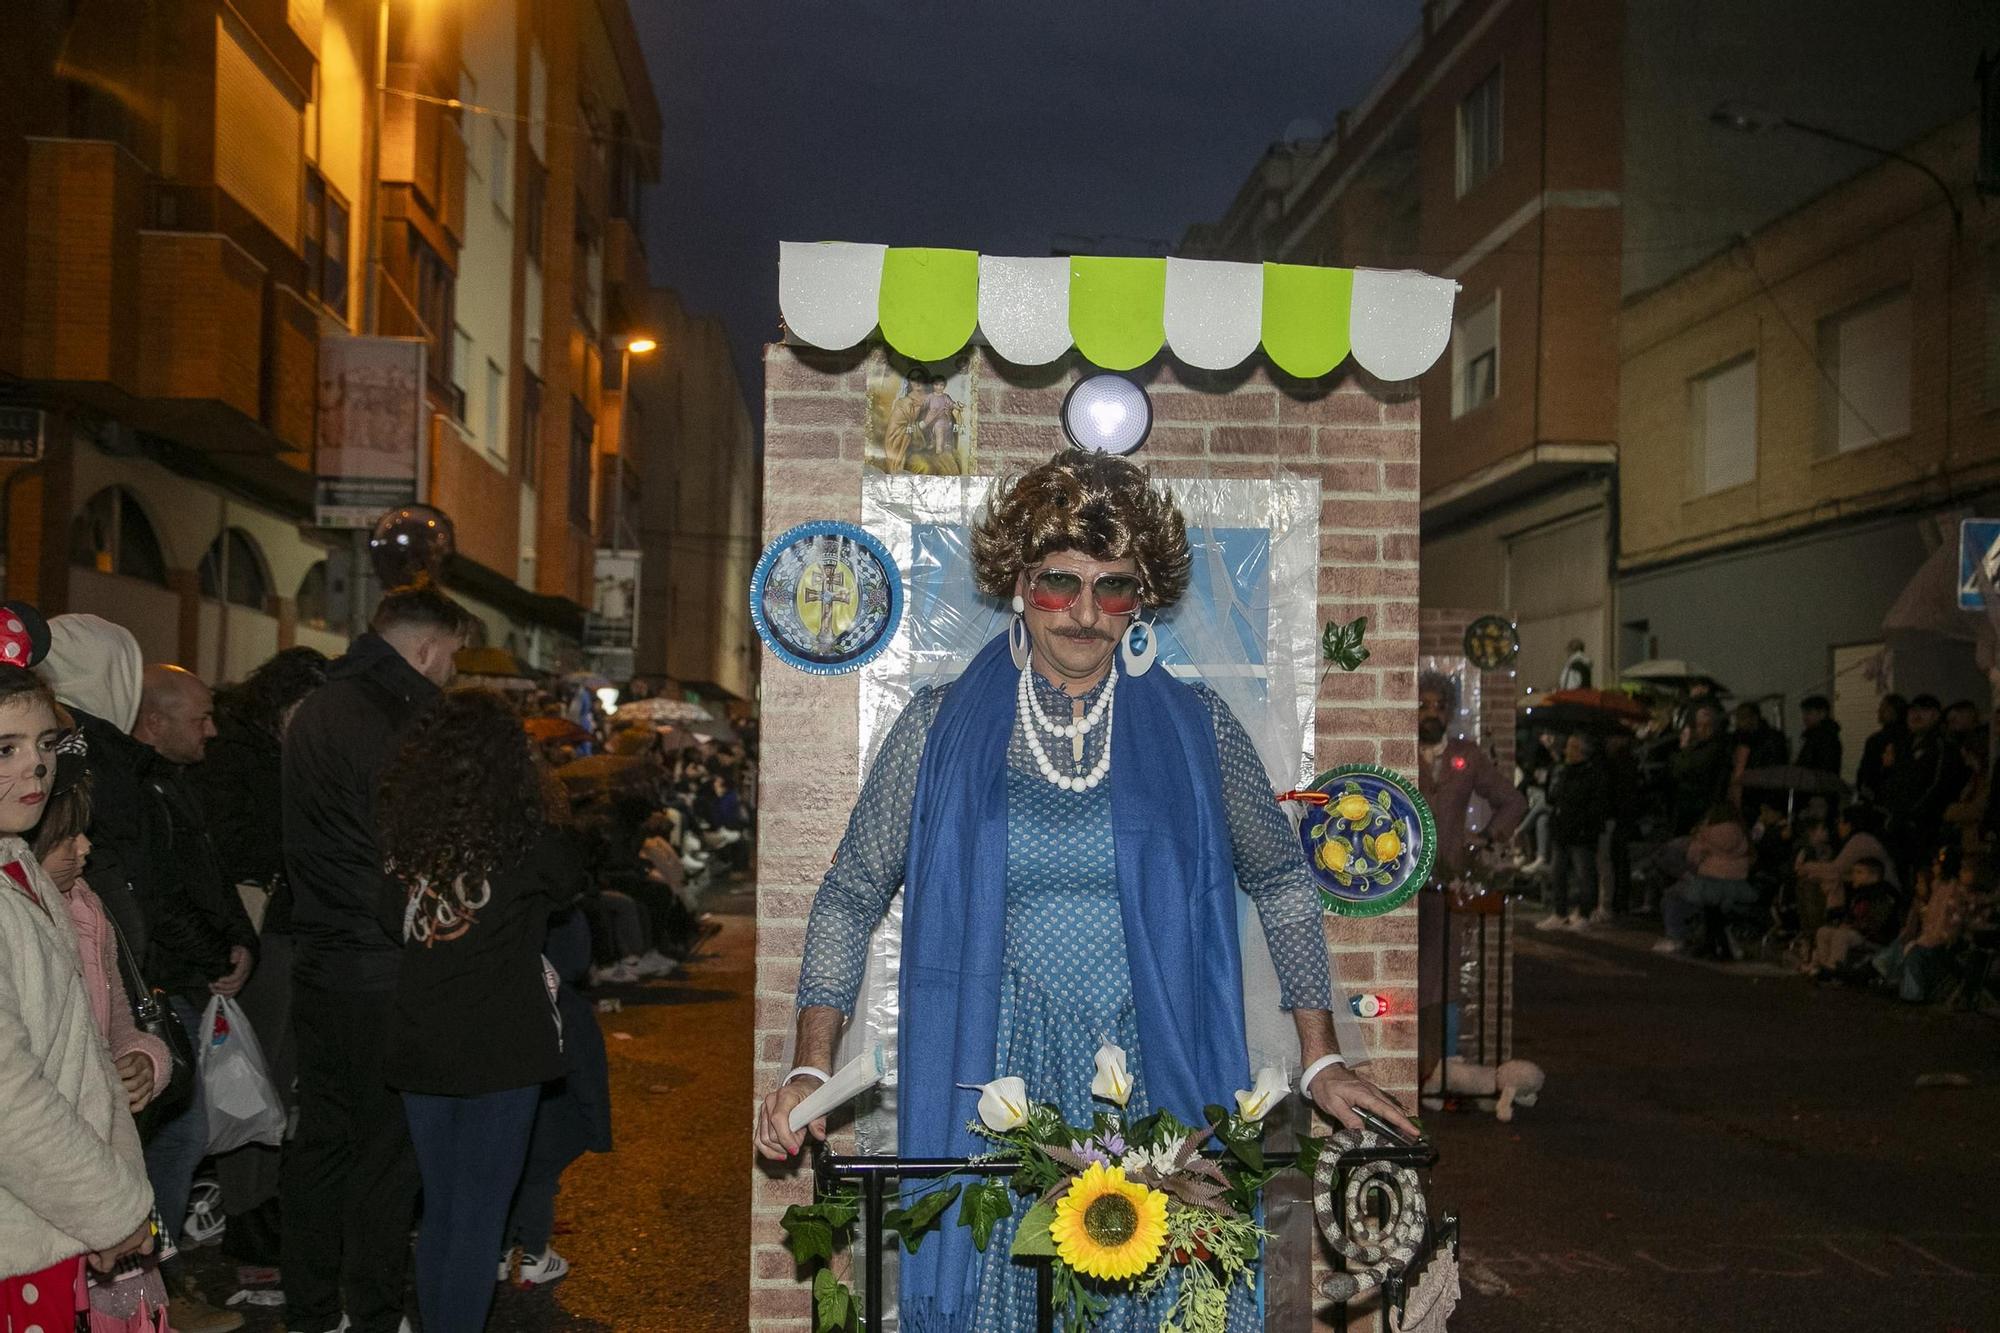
<point>1719,851</point>
<point>110,1007</point>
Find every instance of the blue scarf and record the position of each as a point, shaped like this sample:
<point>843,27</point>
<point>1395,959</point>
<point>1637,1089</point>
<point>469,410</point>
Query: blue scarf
<point>1177,888</point>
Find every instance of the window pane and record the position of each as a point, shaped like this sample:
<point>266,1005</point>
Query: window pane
<point>1723,411</point>
<point>496,400</point>
<point>333,285</point>
<point>1475,355</point>
<point>312,608</point>
<point>582,432</point>
<point>1479,132</point>
<point>247,585</point>
<point>1867,352</point>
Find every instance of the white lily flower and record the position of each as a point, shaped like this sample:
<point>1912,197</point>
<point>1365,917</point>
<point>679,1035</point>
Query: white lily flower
<point>1255,1103</point>
<point>1003,1103</point>
<point>1113,1081</point>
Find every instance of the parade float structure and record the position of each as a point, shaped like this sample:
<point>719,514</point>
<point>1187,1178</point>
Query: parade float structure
<point>1282,415</point>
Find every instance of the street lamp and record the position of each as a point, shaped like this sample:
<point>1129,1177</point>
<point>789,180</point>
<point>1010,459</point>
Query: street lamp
<point>629,346</point>
<point>1747,118</point>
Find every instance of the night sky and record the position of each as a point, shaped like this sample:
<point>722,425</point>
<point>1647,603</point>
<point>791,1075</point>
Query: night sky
<point>991,126</point>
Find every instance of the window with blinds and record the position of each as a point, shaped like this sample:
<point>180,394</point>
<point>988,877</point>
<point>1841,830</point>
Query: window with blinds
<point>1475,357</point>
<point>1865,353</point>
<point>1722,416</point>
<point>259,133</point>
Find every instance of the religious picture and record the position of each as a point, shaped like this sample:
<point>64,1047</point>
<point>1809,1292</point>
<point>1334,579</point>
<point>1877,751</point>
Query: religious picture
<point>920,418</point>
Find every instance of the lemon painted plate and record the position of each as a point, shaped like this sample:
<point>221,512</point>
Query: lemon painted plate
<point>1368,836</point>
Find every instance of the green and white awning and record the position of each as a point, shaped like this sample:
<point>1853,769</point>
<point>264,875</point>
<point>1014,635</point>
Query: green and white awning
<point>1117,312</point>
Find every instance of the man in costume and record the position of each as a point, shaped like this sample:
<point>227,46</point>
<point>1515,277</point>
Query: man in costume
<point>1070,829</point>
<point>1453,770</point>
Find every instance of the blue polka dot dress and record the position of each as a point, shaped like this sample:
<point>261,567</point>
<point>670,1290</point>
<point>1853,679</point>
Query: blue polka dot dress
<point>1066,987</point>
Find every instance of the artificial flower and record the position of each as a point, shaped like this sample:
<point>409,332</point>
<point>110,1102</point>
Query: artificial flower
<point>1113,1083</point>
<point>1108,1227</point>
<point>1003,1103</point>
<point>1159,1160</point>
<point>1254,1103</point>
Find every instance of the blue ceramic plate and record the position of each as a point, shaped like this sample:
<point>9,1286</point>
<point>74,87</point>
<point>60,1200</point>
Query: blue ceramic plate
<point>826,597</point>
<point>1371,845</point>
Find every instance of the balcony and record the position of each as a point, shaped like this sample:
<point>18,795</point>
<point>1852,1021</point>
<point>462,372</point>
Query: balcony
<point>179,334</point>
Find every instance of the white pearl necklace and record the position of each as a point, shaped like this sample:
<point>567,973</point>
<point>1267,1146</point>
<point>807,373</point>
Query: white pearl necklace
<point>1036,723</point>
<point>1076,726</point>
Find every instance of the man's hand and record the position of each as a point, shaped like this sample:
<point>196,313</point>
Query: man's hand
<point>232,981</point>
<point>139,1242</point>
<point>1337,1090</point>
<point>135,1071</point>
<point>775,1137</point>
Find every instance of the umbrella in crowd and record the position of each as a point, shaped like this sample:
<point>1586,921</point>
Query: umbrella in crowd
<point>665,710</point>
<point>602,774</point>
<point>1615,702</point>
<point>547,730</point>
<point>714,729</point>
<point>1673,672</point>
<point>492,669</point>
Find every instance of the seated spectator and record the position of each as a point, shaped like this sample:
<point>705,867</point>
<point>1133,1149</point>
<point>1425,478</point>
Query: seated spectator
<point>1919,958</point>
<point>1858,835</point>
<point>1719,857</point>
<point>1865,914</point>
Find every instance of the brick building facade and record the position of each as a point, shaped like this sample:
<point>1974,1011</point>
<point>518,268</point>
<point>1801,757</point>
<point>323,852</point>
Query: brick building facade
<point>1361,444</point>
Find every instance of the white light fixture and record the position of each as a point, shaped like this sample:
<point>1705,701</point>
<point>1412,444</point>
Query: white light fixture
<point>607,699</point>
<point>1106,414</point>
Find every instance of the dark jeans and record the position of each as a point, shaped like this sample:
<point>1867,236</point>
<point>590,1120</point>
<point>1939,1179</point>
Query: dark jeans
<point>349,1179</point>
<point>1575,887</point>
<point>470,1150</point>
<point>175,1147</point>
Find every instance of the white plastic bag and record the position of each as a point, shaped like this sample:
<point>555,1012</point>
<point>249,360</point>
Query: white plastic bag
<point>243,1103</point>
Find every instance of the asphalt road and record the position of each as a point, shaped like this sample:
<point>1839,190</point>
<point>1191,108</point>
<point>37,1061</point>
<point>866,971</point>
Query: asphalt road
<point>1725,1148</point>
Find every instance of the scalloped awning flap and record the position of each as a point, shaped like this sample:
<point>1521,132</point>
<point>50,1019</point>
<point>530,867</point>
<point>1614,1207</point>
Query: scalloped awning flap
<point>1117,312</point>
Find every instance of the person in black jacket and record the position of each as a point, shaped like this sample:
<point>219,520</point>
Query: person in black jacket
<point>349,1180</point>
<point>1819,740</point>
<point>477,1029</point>
<point>238,784</point>
<point>1879,750</point>
<point>200,940</point>
<point>1578,807</point>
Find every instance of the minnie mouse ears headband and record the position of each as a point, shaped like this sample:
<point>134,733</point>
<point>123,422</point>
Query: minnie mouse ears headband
<point>24,635</point>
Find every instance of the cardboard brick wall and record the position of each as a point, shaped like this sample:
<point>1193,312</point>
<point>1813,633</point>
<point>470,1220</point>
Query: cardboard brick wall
<point>1360,441</point>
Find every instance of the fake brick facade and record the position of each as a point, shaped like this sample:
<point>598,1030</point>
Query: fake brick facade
<point>1362,445</point>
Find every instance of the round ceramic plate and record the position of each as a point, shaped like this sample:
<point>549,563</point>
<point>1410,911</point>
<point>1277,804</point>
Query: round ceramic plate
<point>826,597</point>
<point>1492,642</point>
<point>1371,845</point>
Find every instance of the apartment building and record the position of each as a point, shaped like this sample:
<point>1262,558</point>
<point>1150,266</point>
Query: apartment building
<point>1558,158</point>
<point>202,201</point>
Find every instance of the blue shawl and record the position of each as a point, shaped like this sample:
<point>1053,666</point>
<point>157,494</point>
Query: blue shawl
<point>1177,888</point>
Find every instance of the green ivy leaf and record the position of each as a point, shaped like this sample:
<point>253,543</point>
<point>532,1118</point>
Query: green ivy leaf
<point>1309,1151</point>
<point>1341,644</point>
<point>912,1223</point>
<point>833,1303</point>
<point>985,1203</point>
<point>807,1234</point>
<point>1031,1238</point>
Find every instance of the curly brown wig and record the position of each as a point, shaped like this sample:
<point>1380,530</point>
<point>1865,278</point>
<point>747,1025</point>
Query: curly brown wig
<point>1099,505</point>
<point>462,798</point>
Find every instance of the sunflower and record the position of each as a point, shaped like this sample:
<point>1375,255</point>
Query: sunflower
<point>1109,1227</point>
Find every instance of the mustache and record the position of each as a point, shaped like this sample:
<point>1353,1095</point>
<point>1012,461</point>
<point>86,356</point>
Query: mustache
<point>1082,635</point>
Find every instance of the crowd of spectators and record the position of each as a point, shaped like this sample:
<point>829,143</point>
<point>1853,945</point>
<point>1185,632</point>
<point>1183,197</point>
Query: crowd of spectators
<point>1754,846</point>
<point>409,891</point>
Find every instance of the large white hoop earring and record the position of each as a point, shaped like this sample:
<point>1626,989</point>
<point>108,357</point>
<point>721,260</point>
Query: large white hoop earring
<point>1017,640</point>
<point>1139,648</point>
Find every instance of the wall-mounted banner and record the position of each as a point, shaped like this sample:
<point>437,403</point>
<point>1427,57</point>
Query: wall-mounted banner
<point>1117,312</point>
<point>921,419</point>
<point>1978,544</point>
<point>371,428</point>
<point>613,621</point>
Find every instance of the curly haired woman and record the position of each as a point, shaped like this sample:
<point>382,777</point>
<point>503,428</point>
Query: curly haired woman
<point>1069,828</point>
<point>465,830</point>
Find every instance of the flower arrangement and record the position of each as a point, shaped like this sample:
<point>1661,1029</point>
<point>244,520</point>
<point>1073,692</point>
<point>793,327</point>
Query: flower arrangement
<point>1121,1206</point>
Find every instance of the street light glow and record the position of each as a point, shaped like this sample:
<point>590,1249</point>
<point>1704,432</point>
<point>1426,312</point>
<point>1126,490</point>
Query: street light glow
<point>641,346</point>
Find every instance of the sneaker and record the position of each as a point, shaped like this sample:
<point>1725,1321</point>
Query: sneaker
<point>1602,917</point>
<point>653,963</point>
<point>1535,867</point>
<point>536,1269</point>
<point>1578,921</point>
<point>618,974</point>
<point>191,1314</point>
<point>1667,946</point>
<point>1551,922</point>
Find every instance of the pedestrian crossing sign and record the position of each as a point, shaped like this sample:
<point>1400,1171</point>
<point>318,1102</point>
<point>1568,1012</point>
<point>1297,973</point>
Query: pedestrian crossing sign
<point>1978,544</point>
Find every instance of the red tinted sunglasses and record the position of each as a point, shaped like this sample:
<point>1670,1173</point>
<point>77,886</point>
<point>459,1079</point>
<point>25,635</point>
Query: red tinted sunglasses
<point>1058,589</point>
